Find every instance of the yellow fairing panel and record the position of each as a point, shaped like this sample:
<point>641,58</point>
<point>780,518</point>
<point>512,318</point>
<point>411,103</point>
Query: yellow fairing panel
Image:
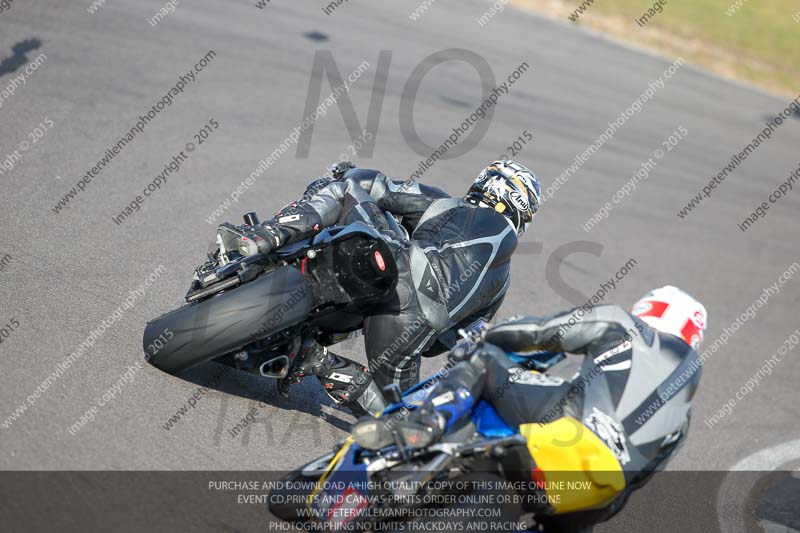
<point>579,470</point>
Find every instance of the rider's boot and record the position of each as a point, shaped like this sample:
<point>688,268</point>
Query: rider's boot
<point>346,382</point>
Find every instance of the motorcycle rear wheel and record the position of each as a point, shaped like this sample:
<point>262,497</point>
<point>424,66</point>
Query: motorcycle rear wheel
<point>227,321</point>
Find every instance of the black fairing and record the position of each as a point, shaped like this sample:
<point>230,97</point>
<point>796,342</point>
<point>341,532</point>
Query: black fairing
<point>355,273</point>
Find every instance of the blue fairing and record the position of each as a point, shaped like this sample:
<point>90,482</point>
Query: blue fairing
<point>488,423</point>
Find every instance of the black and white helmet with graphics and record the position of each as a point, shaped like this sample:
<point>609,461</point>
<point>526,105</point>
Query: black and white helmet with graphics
<point>510,189</point>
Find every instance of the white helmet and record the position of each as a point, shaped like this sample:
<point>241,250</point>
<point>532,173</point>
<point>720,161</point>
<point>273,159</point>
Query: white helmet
<point>671,310</point>
<point>508,188</point>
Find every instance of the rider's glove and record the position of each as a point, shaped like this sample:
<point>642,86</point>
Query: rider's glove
<point>259,239</point>
<point>418,429</point>
<point>519,334</point>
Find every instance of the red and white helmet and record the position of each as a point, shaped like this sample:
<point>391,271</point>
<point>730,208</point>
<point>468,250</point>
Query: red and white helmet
<point>671,310</point>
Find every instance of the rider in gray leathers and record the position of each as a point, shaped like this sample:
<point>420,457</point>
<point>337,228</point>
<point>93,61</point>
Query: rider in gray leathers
<point>453,258</point>
<point>620,418</point>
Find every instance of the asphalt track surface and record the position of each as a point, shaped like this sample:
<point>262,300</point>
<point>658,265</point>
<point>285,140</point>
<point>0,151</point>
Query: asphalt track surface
<point>72,269</point>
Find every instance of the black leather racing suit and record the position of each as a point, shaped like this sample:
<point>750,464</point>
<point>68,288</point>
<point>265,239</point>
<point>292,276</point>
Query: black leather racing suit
<point>453,271</point>
<point>631,398</point>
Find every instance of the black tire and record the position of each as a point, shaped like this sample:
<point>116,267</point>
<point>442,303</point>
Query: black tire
<point>201,331</point>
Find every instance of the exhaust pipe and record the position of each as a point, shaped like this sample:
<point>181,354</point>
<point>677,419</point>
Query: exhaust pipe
<point>277,368</point>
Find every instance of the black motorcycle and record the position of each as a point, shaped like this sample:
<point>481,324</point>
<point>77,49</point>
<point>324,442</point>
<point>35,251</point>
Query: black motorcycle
<point>255,312</point>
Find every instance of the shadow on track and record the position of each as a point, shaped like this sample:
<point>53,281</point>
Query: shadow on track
<point>307,397</point>
<point>12,63</point>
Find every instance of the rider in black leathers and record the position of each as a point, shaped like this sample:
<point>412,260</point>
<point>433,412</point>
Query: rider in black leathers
<point>453,270</point>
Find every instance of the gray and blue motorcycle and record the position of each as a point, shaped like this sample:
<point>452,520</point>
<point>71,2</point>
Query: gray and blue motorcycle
<point>397,470</point>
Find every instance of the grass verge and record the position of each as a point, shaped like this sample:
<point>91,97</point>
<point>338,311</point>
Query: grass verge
<point>754,41</point>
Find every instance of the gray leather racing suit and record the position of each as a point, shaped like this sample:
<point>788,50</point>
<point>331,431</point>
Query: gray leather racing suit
<point>632,395</point>
<point>453,270</point>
